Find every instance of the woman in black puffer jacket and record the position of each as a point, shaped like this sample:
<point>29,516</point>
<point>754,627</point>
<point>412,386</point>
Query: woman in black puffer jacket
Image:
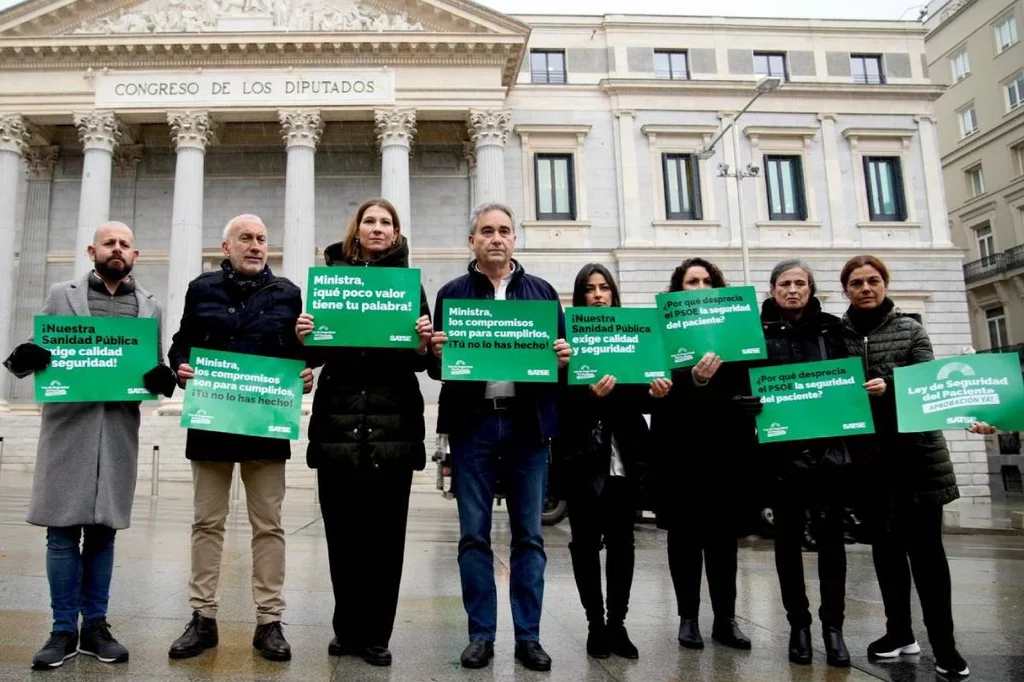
<point>909,474</point>
<point>366,437</point>
<point>809,475</point>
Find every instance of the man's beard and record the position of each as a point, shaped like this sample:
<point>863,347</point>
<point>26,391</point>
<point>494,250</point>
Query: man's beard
<point>105,269</point>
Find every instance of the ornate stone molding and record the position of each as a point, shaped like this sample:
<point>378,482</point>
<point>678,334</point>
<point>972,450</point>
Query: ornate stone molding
<point>301,127</point>
<point>489,126</point>
<point>98,129</point>
<point>40,161</point>
<point>126,158</point>
<point>190,129</point>
<point>14,133</point>
<point>469,154</point>
<point>395,126</point>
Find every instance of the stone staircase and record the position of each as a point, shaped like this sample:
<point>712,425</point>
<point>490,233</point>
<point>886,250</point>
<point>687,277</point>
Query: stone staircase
<point>162,440</point>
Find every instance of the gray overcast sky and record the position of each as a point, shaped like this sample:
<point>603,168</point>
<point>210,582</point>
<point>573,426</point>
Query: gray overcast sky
<point>861,9</point>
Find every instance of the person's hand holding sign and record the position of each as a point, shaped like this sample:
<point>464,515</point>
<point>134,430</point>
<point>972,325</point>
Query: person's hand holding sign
<point>875,387</point>
<point>425,330</point>
<point>660,388</point>
<point>982,429</point>
<point>604,386</point>
<point>303,326</point>
<point>706,368</point>
<point>437,340</point>
<point>185,372</point>
<point>307,380</point>
<point>564,352</point>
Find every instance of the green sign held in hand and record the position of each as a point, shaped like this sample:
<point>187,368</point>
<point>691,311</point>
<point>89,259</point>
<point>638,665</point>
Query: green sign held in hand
<point>249,395</point>
<point>956,392</point>
<point>623,342</point>
<point>95,359</point>
<point>364,307</point>
<point>725,321</point>
<point>811,400</point>
<point>500,340</point>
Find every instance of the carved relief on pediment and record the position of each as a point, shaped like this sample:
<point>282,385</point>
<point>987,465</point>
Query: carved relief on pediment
<point>198,16</point>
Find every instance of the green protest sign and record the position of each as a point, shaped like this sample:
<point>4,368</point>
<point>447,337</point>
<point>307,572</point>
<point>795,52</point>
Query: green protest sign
<point>811,400</point>
<point>726,321</point>
<point>623,342</point>
<point>363,307</point>
<point>95,359</point>
<point>500,340</point>
<point>956,392</point>
<point>250,395</point>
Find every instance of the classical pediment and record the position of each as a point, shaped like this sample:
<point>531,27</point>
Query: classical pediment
<point>117,17</point>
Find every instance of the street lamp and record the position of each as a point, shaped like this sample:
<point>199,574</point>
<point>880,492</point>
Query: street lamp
<point>765,85</point>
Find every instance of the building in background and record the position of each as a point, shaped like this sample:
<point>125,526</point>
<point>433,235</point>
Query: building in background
<point>974,48</point>
<point>174,115</point>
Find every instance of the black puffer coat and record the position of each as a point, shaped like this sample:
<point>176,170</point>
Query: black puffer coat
<point>368,409</point>
<point>915,464</point>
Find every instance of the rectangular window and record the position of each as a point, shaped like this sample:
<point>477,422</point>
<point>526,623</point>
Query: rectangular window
<point>547,66</point>
<point>986,242</point>
<point>556,198</point>
<point>968,121</point>
<point>682,187</point>
<point>1018,159</point>
<point>997,336</point>
<point>867,69</point>
<point>1015,92</point>
<point>975,181</point>
<point>884,177</point>
<point>671,65</point>
<point>770,64</point>
<point>961,65</point>
<point>784,176</point>
<point>1006,34</point>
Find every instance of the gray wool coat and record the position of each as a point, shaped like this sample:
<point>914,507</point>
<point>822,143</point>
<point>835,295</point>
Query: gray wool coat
<point>88,453</point>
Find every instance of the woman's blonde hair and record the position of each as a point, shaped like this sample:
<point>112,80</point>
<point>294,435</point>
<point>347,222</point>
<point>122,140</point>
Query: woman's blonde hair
<point>351,241</point>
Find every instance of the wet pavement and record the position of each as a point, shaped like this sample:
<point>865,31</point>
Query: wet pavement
<point>149,607</point>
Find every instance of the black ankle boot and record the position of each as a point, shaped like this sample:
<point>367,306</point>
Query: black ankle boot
<point>200,634</point>
<point>598,645</point>
<point>836,653</point>
<point>689,634</point>
<point>727,632</point>
<point>618,640</point>
<point>800,645</point>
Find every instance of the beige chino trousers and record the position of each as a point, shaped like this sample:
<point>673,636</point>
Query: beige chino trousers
<point>264,492</point>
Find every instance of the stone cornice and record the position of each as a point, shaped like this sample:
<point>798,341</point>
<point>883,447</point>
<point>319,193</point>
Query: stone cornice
<point>698,88</point>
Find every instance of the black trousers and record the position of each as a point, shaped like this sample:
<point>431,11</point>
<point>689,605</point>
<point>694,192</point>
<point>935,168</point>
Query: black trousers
<point>826,504</point>
<point>603,520</point>
<point>693,544</point>
<point>365,516</point>
<point>912,543</point>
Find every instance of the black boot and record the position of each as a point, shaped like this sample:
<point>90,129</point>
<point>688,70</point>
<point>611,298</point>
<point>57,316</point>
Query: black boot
<point>598,645</point>
<point>618,639</point>
<point>376,655</point>
<point>836,653</point>
<point>270,642</point>
<point>96,641</point>
<point>800,645</point>
<point>727,632</point>
<point>341,647</point>
<point>200,634</point>
<point>689,634</point>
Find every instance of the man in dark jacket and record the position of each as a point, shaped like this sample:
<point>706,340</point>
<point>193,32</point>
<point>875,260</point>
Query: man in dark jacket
<point>506,426</point>
<point>241,308</point>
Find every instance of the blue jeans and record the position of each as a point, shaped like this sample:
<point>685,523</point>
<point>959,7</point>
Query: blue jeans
<point>79,573</point>
<point>498,441</point>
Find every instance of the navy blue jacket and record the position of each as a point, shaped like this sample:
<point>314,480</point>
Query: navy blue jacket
<point>459,398</point>
<point>218,315</point>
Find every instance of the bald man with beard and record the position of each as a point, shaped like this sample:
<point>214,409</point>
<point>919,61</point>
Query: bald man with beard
<point>86,459</point>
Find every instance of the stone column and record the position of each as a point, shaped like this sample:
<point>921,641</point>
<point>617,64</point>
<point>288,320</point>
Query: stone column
<point>395,130</point>
<point>488,130</point>
<point>931,159</point>
<point>629,178</point>
<point>301,129</point>
<point>14,136</point>
<point>842,234</point>
<point>122,196</point>
<point>30,290</point>
<point>469,154</point>
<point>100,132</point>
<point>191,132</point>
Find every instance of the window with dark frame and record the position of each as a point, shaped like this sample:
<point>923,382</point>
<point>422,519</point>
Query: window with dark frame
<point>556,196</point>
<point>784,178</point>
<point>867,69</point>
<point>547,67</point>
<point>771,64</point>
<point>883,176</point>
<point>995,319</point>
<point>682,187</point>
<point>671,65</point>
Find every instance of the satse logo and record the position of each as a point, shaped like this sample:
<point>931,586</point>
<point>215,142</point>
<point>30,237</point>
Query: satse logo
<point>584,372</point>
<point>776,430</point>
<point>460,368</point>
<point>55,389</point>
<point>323,333</point>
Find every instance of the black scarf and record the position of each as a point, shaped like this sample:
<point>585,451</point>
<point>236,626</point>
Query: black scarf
<point>866,321</point>
<point>245,285</point>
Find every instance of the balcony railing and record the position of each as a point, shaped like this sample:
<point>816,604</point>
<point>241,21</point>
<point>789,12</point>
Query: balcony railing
<point>989,266</point>
<point>1013,258</point>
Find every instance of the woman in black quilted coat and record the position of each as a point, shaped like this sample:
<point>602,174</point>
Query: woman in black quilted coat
<point>910,476</point>
<point>366,438</point>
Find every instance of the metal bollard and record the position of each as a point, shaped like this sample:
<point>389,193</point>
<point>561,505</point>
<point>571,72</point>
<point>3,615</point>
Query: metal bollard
<point>1,454</point>
<point>154,484</point>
